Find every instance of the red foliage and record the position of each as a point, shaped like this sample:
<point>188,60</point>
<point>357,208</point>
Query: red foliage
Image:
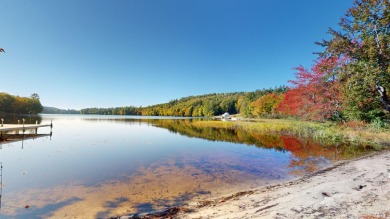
<point>291,144</point>
<point>315,93</point>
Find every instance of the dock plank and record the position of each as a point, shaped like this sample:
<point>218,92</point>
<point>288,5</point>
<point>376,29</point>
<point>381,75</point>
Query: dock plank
<point>16,127</point>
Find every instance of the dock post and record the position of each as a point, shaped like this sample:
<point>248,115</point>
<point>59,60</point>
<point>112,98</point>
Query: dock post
<point>17,131</point>
<point>23,124</point>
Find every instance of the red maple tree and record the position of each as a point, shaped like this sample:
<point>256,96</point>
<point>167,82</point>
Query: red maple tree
<point>315,94</point>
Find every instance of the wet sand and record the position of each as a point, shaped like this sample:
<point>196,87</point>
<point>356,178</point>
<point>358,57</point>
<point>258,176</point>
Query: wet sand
<point>357,188</point>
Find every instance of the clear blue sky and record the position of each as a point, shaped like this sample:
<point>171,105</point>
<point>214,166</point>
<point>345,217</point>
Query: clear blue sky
<point>91,53</point>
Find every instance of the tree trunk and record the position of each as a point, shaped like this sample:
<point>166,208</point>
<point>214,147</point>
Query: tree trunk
<point>383,97</point>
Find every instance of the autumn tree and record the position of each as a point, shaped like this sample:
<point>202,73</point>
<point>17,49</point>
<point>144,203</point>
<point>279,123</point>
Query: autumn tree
<point>363,39</point>
<point>244,104</point>
<point>267,105</point>
<point>315,94</point>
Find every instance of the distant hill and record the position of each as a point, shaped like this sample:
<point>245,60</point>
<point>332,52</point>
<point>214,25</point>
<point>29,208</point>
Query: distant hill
<point>53,110</point>
<point>196,106</point>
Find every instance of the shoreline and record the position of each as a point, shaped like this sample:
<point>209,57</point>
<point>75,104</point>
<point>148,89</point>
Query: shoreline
<point>358,188</point>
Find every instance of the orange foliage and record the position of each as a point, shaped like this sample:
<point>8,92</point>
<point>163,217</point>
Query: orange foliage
<point>267,104</point>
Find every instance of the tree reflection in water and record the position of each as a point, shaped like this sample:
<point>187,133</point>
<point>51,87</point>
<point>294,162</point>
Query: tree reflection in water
<point>307,154</point>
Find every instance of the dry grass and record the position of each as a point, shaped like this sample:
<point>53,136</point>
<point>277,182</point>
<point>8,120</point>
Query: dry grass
<point>327,131</point>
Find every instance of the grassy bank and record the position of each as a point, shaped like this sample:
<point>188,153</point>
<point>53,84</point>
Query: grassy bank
<point>326,132</point>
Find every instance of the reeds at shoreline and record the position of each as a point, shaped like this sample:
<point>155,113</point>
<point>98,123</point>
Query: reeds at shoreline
<point>325,132</point>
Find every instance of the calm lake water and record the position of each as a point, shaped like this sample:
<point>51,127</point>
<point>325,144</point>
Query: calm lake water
<point>103,166</point>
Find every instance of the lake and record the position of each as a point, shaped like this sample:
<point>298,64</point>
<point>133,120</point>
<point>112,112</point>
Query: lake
<point>104,166</point>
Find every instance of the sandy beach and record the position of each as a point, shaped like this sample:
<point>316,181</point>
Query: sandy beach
<point>357,188</point>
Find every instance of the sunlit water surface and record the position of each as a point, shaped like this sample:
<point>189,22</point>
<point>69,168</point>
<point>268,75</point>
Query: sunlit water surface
<point>102,166</point>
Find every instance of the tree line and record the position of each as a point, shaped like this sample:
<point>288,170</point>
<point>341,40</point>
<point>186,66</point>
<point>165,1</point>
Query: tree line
<point>20,105</point>
<point>195,106</point>
<point>53,110</point>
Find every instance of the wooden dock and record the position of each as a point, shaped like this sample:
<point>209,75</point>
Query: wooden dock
<point>19,131</point>
<point>16,127</point>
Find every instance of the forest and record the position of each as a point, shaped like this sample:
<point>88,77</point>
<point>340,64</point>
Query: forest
<point>200,106</point>
<point>20,105</point>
